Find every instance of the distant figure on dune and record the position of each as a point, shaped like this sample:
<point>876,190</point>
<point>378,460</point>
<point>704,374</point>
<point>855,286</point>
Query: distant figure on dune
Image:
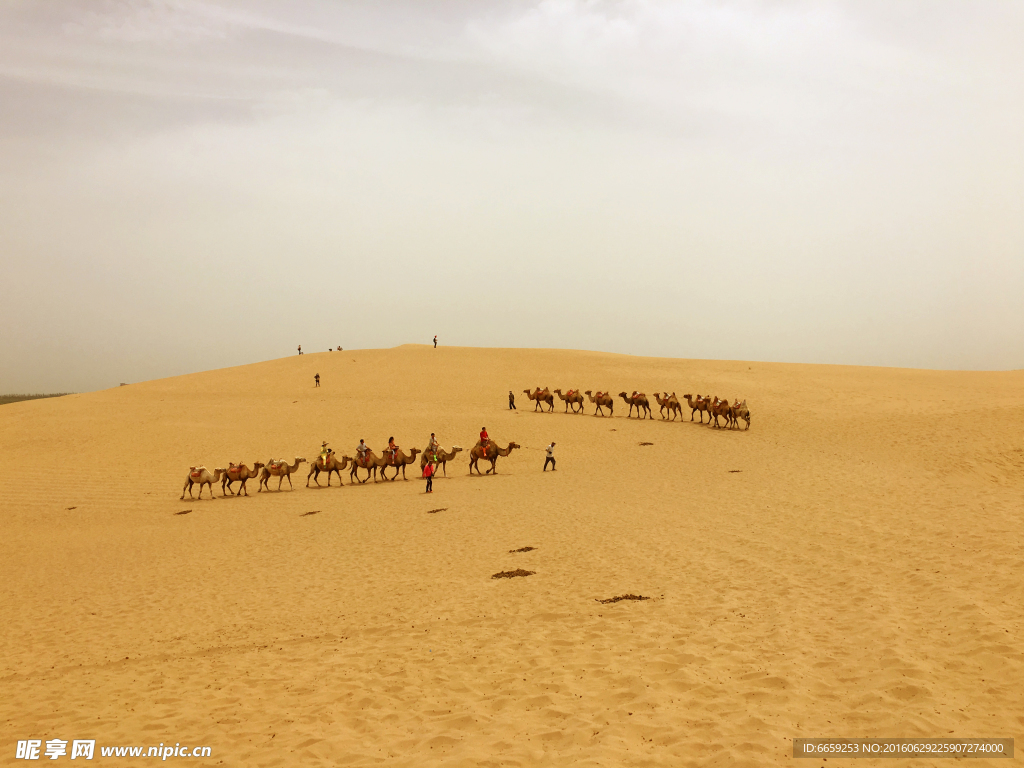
<point>339,347</point>
<point>511,401</point>
<point>435,341</point>
<point>300,349</point>
<point>317,379</point>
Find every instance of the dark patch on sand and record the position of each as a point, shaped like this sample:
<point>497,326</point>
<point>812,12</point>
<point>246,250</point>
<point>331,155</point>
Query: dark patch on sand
<point>630,596</point>
<point>646,443</point>
<point>522,549</point>
<point>735,470</point>
<point>512,574</point>
<point>307,514</point>
<point>435,511</point>
<point>70,508</point>
<point>183,512</point>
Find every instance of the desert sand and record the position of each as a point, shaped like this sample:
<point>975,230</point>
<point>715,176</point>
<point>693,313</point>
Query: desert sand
<point>850,566</point>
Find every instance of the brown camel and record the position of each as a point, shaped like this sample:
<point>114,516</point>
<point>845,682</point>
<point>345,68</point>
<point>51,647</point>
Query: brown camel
<point>333,464</point>
<point>573,398</point>
<point>723,409</point>
<point>741,411</point>
<point>489,452</point>
<point>665,400</point>
<point>201,476</point>
<point>400,462</point>
<point>240,473</point>
<point>279,469</point>
<point>602,398</point>
<point>541,396</point>
<point>371,463</point>
<point>639,401</point>
<point>442,458</point>
<point>699,406</point>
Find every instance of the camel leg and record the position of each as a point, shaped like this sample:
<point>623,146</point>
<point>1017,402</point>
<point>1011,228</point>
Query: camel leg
<point>290,486</point>
<point>188,486</point>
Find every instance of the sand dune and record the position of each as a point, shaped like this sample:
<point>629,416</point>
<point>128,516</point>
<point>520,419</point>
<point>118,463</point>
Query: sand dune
<point>851,566</point>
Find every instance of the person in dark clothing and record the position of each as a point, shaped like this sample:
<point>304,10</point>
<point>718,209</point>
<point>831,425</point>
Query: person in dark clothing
<point>300,349</point>
<point>317,379</point>
<point>550,458</point>
<point>435,341</point>
<point>511,401</point>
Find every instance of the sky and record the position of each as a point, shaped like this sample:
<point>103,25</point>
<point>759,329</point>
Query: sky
<point>188,185</point>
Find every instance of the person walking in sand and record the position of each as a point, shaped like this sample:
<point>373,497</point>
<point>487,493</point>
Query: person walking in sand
<point>511,401</point>
<point>550,458</point>
<point>428,472</point>
<point>300,349</point>
<point>435,341</point>
<point>317,379</point>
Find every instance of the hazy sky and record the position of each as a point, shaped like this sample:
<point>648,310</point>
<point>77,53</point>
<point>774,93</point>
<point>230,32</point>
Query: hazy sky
<point>188,185</point>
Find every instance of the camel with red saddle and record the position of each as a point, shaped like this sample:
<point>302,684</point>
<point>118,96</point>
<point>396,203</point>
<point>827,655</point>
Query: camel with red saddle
<point>330,466</point>
<point>639,401</point>
<point>602,399</point>
<point>701,405</point>
<point>399,461</point>
<point>723,409</point>
<point>238,473</point>
<point>671,402</point>
<point>280,469</point>
<point>442,458</point>
<point>489,452</point>
<point>540,397</point>
<point>201,476</point>
<point>573,398</point>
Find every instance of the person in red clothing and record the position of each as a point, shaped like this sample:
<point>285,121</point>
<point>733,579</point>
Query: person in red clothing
<point>392,449</point>
<point>428,472</point>
<point>484,439</point>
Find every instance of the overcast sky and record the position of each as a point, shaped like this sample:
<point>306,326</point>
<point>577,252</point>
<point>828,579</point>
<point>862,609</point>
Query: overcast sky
<point>189,185</point>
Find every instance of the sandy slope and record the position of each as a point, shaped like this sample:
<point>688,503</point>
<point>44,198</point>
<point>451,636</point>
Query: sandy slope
<point>860,576</point>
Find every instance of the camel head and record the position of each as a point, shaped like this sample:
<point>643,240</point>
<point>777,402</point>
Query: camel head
<point>456,448</point>
<point>623,394</point>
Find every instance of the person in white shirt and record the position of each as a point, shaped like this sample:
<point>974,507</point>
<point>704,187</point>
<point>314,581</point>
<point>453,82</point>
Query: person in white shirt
<point>550,458</point>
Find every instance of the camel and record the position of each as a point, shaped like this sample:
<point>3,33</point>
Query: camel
<point>541,396</point>
<point>639,400</point>
<point>723,409</point>
<point>602,398</point>
<point>401,460</point>
<point>371,463</point>
<point>671,402</point>
<point>700,406</point>
<point>240,473</point>
<point>489,452</point>
<point>201,476</point>
<point>279,469</point>
<point>573,398</point>
<point>740,411</point>
<point>333,464</point>
<point>442,458</point>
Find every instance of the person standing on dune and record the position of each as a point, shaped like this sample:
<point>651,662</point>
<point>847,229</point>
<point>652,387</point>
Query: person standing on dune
<point>317,379</point>
<point>435,341</point>
<point>550,458</point>
<point>511,401</point>
<point>300,349</point>
<point>428,472</point>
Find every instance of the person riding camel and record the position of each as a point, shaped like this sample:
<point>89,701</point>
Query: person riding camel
<point>325,453</point>
<point>361,450</point>
<point>392,449</point>
<point>484,439</point>
<point>432,447</point>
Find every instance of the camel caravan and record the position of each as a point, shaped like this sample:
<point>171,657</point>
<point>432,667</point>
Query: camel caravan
<point>329,463</point>
<point>721,414</point>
